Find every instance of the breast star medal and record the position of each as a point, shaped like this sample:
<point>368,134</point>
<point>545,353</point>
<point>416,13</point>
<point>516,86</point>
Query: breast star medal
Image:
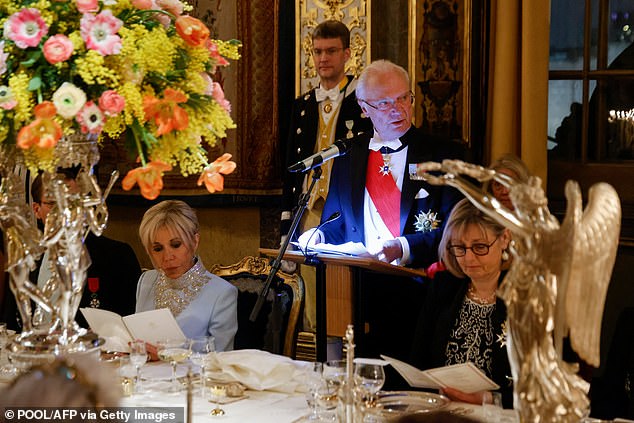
<point>502,336</point>
<point>426,222</point>
<point>93,286</point>
<point>386,168</point>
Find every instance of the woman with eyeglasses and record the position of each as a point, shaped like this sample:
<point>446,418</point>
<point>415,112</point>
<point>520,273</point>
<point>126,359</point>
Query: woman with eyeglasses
<point>462,319</point>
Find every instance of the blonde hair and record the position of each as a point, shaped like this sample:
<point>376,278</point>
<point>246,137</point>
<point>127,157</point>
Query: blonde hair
<point>462,215</point>
<point>174,215</point>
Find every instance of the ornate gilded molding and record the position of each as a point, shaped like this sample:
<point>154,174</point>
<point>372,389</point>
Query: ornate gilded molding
<point>309,13</point>
<point>441,62</point>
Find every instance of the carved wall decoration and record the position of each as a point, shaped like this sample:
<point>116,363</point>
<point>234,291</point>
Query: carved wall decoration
<point>309,13</point>
<point>251,86</point>
<point>441,64</point>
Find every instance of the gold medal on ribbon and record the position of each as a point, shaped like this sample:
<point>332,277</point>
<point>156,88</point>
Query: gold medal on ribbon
<point>327,107</point>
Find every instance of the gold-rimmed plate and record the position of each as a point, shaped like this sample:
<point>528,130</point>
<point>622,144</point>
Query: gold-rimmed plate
<point>396,403</point>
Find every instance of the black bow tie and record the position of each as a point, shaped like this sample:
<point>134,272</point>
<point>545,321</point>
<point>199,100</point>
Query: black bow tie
<point>388,150</point>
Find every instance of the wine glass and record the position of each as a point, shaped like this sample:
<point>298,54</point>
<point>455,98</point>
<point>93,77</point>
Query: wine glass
<point>334,372</point>
<point>328,392</point>
<point>138,357</point>
<point>369,377</point>
<point>313,380</point>
<point>203,348</point>
<point>173,351</point>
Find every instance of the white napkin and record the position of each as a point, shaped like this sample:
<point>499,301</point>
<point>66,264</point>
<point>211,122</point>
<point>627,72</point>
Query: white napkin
<point>258,370</point>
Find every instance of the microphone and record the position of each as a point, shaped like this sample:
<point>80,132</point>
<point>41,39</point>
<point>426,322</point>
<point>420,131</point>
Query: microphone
<point>338,148</point>
<point>310,258</point>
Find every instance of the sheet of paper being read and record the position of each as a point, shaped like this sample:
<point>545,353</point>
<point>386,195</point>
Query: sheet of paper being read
<point>356,249</point>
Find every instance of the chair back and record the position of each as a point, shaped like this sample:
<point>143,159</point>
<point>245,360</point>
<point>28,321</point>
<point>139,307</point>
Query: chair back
<point>275,329</point>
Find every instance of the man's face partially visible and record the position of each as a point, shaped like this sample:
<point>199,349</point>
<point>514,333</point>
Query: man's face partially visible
<point>330,60</point>
<point>47,202</point>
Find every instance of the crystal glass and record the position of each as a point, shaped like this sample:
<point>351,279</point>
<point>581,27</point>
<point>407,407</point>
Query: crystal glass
<point>203,349</point>
<point>313,380</point>
<point>214,392</point>
<point>174,352</point>
<point>127,375</point>
<point>334,372</point>
<point>138,357</point>
<point>369,377</point>
<point>328,392</point>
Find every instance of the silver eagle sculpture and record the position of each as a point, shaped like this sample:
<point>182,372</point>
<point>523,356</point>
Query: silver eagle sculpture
<point>556,285</point>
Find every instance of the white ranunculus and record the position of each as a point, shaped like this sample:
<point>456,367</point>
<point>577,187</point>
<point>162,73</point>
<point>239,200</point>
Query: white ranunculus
<point>68,100</point>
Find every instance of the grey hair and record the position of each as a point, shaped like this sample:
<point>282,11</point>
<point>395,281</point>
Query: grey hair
<point>462,215</point>
<point>375,72</point>
<point>174,215</point>
<point>514,164</point>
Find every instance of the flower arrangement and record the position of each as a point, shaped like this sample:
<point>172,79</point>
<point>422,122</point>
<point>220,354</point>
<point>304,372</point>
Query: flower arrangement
<point>134,70</point>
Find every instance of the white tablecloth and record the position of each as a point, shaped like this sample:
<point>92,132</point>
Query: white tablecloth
<point>260,406</point>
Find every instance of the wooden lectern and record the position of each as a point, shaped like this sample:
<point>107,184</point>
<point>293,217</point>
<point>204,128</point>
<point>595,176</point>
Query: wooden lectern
<point>338,281</point>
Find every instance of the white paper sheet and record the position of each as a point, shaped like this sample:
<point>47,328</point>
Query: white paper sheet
<point>465,377</point>
<point>149,326</point>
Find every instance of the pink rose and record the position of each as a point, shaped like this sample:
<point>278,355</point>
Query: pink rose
<point>175,7</point>
<point>57,48</point>
<point>111,102</point>
<point>219,96</point>
<point>142,4</point>
<point>87,6</point>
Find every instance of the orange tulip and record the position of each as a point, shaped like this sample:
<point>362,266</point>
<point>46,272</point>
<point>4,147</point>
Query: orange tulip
<point>167,114</point>
<point>149,178</point>
<point>212,175</point>
<point>43,131</point>
<point>193,31</point>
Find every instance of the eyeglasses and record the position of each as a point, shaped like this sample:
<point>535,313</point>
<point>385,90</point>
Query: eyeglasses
<point>328,51</point>
<point>479,249</point>
<point>388,103</point>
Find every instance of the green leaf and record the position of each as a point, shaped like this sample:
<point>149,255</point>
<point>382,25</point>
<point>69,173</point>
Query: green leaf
<point>35,83</point>
<point>32,58</point>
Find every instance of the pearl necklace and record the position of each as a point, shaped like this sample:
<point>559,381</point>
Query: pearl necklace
<point>473,295</point>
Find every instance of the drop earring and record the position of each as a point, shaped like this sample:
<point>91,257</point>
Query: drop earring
<point>505,254</point>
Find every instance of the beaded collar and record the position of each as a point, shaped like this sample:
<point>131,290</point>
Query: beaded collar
<point>176,294</point>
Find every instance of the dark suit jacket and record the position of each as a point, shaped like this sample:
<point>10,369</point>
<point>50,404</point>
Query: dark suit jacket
<point>444,297</point>
<point>302,138</point>
<point>117,268</point>
<point>347,189</point>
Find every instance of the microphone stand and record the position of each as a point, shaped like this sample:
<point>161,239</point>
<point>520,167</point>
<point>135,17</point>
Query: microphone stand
<point>277,262</point>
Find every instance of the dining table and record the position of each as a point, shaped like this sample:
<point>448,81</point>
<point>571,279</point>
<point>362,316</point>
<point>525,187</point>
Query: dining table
<point>262,406</point>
